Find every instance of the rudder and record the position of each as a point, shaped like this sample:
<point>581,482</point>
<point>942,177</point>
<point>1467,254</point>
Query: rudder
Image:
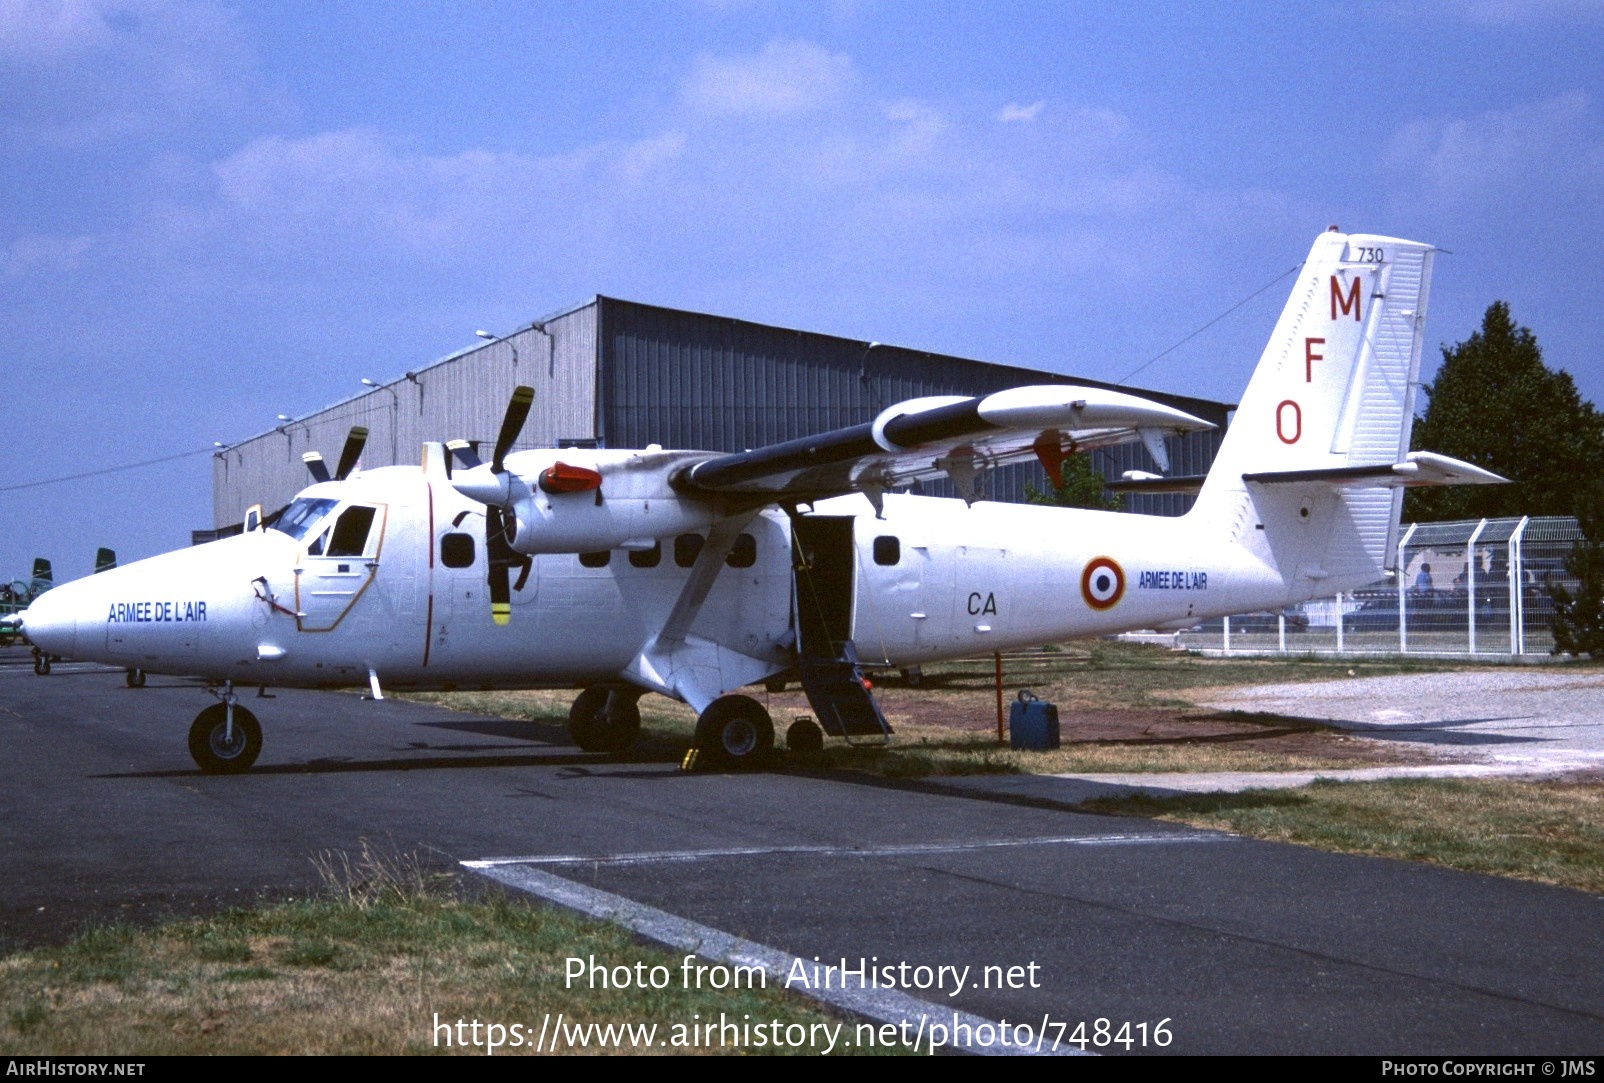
<point>1334,389</point>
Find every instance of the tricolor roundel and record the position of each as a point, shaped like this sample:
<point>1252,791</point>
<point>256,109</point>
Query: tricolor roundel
<point>1102,584</point>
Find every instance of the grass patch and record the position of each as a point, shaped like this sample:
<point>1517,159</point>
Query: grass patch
<point>360,972</point>
<point>926,751</point>
<point>1551,831</point>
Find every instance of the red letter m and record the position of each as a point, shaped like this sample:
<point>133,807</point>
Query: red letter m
<point>1349,303</point>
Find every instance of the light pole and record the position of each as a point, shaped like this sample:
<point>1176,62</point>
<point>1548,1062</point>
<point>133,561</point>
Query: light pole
<point>395,415</point>
<point>289,440</point>
<point>488,337</point>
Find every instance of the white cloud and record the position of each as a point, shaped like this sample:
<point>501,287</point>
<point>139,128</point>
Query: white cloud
<point>787,77</point>
<point>49,30</point>
<point>1554,143</point>
<point>1014,113</point>
<point>40,254</point>
<point>88,73</point>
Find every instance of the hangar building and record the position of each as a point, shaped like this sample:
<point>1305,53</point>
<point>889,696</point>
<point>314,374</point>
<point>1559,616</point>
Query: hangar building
<point>613,373</point>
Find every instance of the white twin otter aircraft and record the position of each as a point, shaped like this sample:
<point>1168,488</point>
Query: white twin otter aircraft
<point>693,574</point>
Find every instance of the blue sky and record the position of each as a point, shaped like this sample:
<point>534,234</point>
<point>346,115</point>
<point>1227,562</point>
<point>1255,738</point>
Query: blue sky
<point>214,213</point>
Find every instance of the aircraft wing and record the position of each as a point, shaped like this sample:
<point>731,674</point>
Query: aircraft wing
<point>945,436</point>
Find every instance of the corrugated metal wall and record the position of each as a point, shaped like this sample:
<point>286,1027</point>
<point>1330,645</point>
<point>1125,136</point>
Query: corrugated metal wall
<point>463,395</point>
<point>627,375</point>
<point>687,380</point>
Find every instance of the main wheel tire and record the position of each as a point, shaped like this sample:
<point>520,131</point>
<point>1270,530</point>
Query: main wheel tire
<point>804,738</point>
<point>211,747</point>
<point>734,731</point>
<point>135,678</point>
<point>604,719</point>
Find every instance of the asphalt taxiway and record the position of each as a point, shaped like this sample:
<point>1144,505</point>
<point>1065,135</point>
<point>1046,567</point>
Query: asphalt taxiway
<point>1239,946</point>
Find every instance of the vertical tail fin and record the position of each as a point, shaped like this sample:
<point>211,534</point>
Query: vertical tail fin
<point>1334,389</point>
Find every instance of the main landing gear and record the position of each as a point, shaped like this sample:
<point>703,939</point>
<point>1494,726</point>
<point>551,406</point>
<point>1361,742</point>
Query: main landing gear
<point>605,719</point>
<point>734,731</point>
<point>225,738</point>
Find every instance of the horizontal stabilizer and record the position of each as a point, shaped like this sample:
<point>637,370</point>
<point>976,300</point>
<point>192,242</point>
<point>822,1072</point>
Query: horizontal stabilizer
<point>1186,484</point>
<point>1419,468</point>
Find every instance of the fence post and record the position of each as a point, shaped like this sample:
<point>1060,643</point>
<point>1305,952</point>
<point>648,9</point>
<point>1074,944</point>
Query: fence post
<point>1517,593</point>
<point>1339,620</point>
<point>1470,583</point>
<point>1403,585</point>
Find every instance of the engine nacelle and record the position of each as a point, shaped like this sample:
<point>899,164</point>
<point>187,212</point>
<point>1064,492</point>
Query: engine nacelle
<point>575,523</point>
<point>629,505</point>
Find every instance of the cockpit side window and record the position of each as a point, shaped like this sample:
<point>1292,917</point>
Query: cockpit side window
<point>350,535</point>
<point>300,517</point>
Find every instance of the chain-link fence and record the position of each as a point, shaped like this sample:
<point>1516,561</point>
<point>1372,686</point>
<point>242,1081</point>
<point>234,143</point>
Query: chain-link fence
<point>1478,587</point>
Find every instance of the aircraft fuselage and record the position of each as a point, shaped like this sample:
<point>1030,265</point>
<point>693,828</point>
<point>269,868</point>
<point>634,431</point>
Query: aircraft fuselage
<point>930,579</point>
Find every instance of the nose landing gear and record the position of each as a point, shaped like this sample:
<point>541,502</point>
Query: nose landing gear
<point>225,738</point>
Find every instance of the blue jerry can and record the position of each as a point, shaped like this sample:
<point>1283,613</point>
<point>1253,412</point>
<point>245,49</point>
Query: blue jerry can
<point>1032,723</point>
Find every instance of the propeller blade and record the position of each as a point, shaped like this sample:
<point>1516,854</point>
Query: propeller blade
<point>523,397</point>
<point>464,453</point>
<point>500,557</point>
<point>316,466</point>
<point>354,442</point>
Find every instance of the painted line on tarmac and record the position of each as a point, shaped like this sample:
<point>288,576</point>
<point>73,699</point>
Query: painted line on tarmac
<point>649,857</point>
<point>962,1032</point>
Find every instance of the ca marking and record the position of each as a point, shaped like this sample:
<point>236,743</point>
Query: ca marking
<point>692,574</point>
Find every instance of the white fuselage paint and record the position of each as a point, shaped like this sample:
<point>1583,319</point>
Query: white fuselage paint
<point>968,580</point>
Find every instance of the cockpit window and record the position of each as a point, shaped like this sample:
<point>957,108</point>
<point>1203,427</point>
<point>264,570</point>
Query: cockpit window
<point>300,517</point>
<point>350,535</point>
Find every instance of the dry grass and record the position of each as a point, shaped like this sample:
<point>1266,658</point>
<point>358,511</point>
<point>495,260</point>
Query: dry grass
<point>367,970</point>
<point>1124,708</point>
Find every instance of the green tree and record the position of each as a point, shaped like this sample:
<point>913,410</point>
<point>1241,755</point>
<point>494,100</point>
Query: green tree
<point>1082,487</point>
<point>1578,623</point>
<point>1494,403</point>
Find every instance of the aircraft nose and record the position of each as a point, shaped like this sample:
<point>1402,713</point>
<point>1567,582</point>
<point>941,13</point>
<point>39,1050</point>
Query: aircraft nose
<point>51,622</point>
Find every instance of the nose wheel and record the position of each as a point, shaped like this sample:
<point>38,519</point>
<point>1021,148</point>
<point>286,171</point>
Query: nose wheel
<point>222,745</point>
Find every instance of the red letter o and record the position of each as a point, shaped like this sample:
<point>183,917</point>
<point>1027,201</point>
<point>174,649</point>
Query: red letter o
<point>1280,422</point>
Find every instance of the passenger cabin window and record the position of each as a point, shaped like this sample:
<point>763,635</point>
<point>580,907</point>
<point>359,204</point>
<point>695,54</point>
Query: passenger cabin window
<point>743,554</point>
<point>456,550</point>
<point>647,558</point>
<point>595,560</point>
<point>887,549</point>
<point>686,548</point>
